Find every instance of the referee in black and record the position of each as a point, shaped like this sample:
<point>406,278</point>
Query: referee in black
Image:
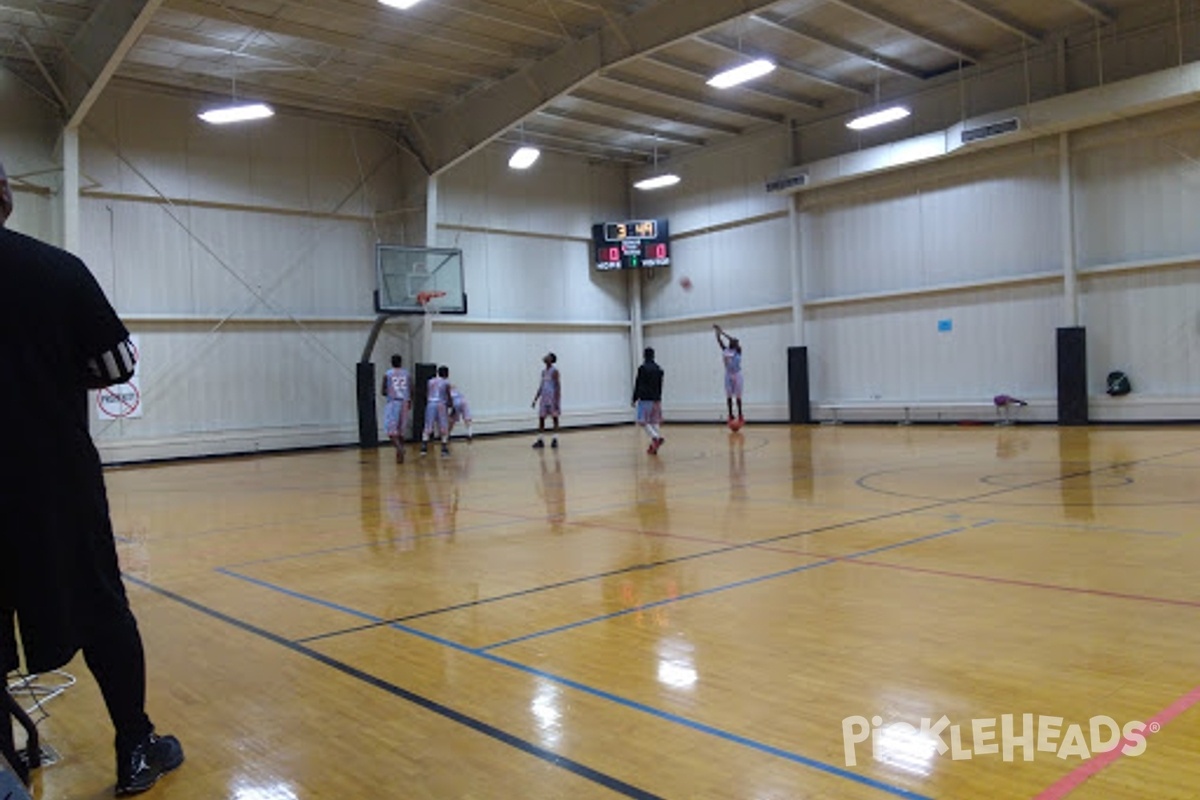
<point>647,397</point>
<point>59,578</point>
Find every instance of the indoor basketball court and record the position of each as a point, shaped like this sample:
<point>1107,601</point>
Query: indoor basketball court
<point>594,622</point>
<point>911,288</point>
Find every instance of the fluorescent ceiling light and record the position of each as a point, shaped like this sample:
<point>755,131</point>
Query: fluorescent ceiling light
<point>400,3</point>
<point>876,118</point>
<point>524,157</point>
<point>657,182</point>
<point>222,116</point>
<point>746,72</point>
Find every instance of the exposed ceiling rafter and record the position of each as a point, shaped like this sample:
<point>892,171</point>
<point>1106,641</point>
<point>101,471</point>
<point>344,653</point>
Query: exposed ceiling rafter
<point>731,45</point>
<point>600,121</point>
<point>454,133</point>
<point>654,112</point>
<point>696,98</point>
<point>1095,9</point>
<point>1000,20</point>
<point>759,87</point>
<point>797,28</point>
<point>884,17</point>
<point>97,50</point>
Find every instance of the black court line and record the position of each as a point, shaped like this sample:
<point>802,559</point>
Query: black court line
<point>731,548</point>
<point>581,770</point>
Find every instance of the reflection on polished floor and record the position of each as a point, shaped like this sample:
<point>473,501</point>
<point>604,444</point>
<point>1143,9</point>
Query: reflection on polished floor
<point>768,615</point>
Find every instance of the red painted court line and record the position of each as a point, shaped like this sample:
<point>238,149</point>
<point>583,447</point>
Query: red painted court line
<point>1077,777</point>
<point>867,562</point>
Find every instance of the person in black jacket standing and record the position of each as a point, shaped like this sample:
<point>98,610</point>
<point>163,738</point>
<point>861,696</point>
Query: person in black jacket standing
<point>59,575</point>
<point>647,396</point>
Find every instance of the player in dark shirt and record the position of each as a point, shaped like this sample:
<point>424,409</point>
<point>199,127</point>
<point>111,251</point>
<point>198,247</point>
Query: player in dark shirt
<point>647,396</point>
<point>59,575</point>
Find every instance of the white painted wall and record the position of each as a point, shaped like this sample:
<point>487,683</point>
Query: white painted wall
<point>892,351</point>
<point>1137,198</point>
<point>526,241</point>
<point>952,229</point>
<point>693,388</point>
<point>1137,191</point>
<point>732,240</point>
<point>243,259</point>
<point>1146,324</point>
<point>974,242</point>
<point>900,312</point>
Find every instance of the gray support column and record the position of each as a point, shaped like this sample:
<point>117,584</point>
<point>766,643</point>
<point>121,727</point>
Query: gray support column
<point>431,237</point>
<point>636,331</point>
<point>797,264</point>
<point>70,190</point>
<point>1067,206</point>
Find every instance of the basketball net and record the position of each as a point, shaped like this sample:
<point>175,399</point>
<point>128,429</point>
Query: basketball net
<point>426,301</point>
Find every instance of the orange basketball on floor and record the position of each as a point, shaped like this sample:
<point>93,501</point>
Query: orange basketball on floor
<point>735,425</point>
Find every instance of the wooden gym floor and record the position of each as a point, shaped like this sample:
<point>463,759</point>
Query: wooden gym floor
<point>595,622</point>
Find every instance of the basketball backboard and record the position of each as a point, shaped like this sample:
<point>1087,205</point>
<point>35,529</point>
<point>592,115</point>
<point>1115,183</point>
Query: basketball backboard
<point>405,274</point>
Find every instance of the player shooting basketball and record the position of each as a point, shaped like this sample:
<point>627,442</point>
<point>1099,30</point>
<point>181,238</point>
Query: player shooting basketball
<point>731,355</point>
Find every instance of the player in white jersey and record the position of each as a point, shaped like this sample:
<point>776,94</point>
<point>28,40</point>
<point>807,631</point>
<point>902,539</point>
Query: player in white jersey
<point>549,394</point>
<point>399,405</point>
<point>731,355</point>
<point>459,410</point>
<point>437,398</point>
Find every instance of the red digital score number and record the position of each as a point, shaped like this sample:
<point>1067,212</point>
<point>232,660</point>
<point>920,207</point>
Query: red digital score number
<point>658,250</point>
<point>608,257</point>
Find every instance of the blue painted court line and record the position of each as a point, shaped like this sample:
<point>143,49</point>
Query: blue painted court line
<point>724,588</point>
<point>1083,526</point>
<point>625,702</point>
<point>298,595</point>
<point>575,767</point>
<point>634,568</point>
<point>485,601</point>
<point>710,730</point>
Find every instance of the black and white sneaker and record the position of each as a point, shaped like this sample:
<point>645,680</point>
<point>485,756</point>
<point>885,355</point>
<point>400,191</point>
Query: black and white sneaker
<point>140,768</point>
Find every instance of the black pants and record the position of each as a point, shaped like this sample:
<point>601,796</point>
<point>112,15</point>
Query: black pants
<point>112,649</point>
<point>116,659</point>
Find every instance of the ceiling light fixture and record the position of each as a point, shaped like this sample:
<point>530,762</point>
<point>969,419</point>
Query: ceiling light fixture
<point>524,157</point>
<point>400,3</point>
<point>741,74</point>
<point>238,113</point>
<point>877,118</point>
<point>657,182</point>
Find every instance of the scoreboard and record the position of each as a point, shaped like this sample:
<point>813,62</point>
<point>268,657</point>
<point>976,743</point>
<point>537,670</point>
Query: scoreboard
<point>632,244</point>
